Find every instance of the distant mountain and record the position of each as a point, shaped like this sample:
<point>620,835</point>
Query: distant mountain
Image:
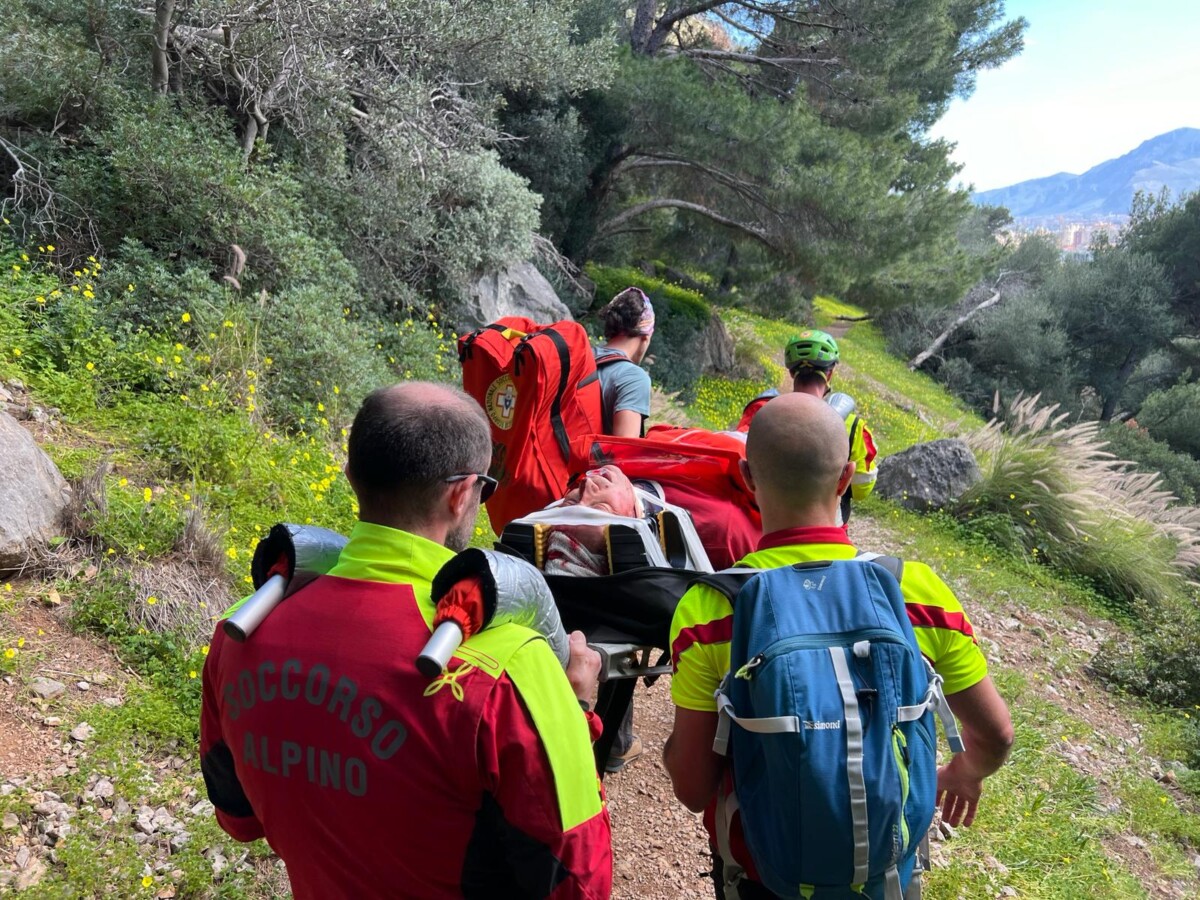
<point>1171,160</point>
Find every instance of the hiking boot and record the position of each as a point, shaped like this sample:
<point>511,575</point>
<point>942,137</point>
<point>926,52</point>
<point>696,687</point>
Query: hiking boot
<point>618,761</point>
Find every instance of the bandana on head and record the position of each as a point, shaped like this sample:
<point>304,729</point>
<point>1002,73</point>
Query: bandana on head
<point>645,324</point>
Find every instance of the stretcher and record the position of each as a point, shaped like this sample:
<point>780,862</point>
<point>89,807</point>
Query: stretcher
<point>626,615</point>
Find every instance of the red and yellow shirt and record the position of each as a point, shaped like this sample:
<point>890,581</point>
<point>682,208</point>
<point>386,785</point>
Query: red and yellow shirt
<point>703,623</point>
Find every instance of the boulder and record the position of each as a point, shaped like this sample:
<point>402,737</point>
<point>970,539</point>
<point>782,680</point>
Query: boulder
<point>33,495</point>
<point>928,476</point>
<point>519,290</point>
<point>714,348</point>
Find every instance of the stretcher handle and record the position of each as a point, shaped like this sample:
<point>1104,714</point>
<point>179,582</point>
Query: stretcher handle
<point>257,607</point>
<point>441,645</point>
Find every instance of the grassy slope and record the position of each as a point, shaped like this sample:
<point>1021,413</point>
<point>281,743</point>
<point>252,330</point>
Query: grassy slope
<point>1050,828</point>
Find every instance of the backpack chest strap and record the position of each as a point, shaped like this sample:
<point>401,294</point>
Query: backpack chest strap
<point>726,716</point>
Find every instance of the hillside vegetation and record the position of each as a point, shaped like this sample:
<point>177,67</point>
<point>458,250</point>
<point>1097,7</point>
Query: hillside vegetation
<point>179,473</point>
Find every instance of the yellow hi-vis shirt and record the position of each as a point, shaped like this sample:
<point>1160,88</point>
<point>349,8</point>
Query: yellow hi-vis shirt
<point>862,454</point>
<point>703,623</point>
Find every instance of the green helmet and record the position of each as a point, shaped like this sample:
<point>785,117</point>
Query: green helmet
<point>811,349</point>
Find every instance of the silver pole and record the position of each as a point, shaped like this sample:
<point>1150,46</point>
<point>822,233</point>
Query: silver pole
<point>441,645</point>
<point>257,607</point>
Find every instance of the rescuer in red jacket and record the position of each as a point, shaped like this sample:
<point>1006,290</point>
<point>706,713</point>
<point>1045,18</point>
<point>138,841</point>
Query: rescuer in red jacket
<point>368,779</point>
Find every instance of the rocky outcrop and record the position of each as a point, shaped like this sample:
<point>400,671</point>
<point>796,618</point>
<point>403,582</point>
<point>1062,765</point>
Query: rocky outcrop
<point>519,290</point>
<point>928,476</point>
<point>33,495</point>
<point>714,348</point>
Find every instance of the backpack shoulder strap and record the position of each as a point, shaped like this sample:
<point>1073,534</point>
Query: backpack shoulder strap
<point>728,582</point>
<point>892,564</point>
<point>855,425</point>
<point>614,358</point>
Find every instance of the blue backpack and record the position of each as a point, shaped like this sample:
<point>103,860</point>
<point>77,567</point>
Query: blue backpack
<point>827,712</point>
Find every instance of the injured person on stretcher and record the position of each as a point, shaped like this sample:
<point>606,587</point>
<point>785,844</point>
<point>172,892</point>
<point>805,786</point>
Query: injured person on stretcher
<point>644,518</point>
<point>684,484</point>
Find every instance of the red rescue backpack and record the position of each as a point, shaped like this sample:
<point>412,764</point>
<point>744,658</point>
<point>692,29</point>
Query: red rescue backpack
<point>539,387</point>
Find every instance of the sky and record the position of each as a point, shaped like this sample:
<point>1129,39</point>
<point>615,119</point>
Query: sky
<point>1096,79</point>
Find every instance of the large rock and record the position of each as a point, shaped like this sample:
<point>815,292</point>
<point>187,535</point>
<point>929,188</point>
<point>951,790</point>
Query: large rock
<point>33,495</point>
<point>714,348</point>
<point>519,290</point>
<point>928,476</point>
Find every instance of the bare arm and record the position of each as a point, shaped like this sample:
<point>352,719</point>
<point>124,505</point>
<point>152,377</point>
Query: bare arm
<point>694,768</point>
<point>627,423</point>
<point>987,733</point>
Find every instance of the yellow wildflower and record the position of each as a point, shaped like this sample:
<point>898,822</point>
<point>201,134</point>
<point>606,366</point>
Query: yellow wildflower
<point>187,317</point>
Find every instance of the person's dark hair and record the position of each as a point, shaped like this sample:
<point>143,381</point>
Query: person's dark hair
<point>404,443</point>
<point>623,313</point>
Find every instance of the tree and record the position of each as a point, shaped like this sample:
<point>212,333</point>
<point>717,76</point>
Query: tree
<point>382,117</point>
<point>1115,310</point>
<point>1171,234</point>
<point>800,128</point>
<point>1011,269</point>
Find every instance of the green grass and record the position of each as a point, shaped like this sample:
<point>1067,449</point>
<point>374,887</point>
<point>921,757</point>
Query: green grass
<point>1043,821</point>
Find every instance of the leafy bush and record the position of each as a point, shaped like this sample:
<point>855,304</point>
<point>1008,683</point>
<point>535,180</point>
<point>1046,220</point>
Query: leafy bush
<point>323,353</point>
<point>1173,416</point>
<point>1162,663</point>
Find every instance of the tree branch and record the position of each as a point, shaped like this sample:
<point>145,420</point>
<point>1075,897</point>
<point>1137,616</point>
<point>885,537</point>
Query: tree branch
<point>662,28</point>
<point>921,358</point>
<point>160,79</point>
<point>752,231</point>
<point>747,190</point>
<point>779,62</point>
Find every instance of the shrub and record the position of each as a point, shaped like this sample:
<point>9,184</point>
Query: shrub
<point>1162,663</point>
<point>1074,506</point>
<point>1173,416</point>
<point>324,355</point>
<point>1180,472</point>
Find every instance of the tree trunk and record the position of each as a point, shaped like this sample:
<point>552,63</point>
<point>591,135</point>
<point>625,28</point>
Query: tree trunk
<point>1123,373</point>
<point>921,358</point>
<point>160,79</point>
<point>643,25</point>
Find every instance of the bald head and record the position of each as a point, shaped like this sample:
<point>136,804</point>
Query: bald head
<point>407,439</point>
<point>796,451</point>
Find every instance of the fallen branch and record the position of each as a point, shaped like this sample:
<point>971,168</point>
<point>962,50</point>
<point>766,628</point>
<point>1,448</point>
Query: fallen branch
<point>921,358</point>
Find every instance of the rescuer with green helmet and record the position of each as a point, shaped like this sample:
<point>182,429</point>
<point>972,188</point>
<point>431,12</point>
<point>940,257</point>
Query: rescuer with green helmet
<point>811,358</point>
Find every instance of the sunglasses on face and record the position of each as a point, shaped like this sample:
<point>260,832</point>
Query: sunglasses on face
<point>488,484</point>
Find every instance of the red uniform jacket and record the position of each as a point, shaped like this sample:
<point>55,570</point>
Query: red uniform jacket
<point>368,779</point>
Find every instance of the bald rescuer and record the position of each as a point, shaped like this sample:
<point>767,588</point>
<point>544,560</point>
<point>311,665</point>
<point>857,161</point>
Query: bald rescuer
<point>368,779</point>
<point>796,464</point>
